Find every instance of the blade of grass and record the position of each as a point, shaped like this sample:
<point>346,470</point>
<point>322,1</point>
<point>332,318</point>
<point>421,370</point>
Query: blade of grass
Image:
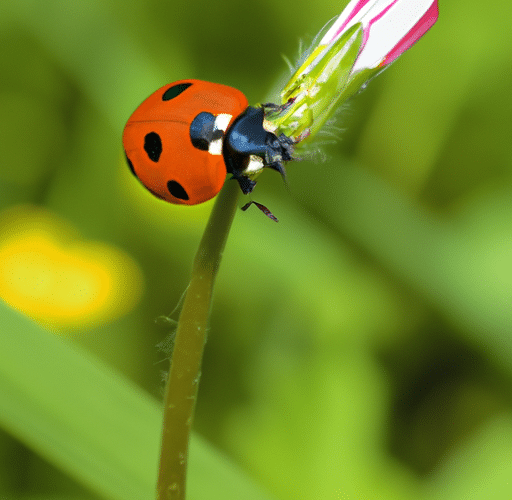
<point>461,266</point>
<point>92,423</point>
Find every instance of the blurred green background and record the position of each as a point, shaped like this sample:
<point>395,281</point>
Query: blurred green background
<point>359,349</point>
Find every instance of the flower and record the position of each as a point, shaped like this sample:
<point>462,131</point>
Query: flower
<point>390,27</point>
<point>366,37</point>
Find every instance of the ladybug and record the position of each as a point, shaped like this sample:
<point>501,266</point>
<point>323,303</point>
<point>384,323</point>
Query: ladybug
<point>184,139</point>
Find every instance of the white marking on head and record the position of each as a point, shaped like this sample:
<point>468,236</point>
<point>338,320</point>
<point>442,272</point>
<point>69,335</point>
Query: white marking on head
<point>221,123</point>
<point>255,164</point>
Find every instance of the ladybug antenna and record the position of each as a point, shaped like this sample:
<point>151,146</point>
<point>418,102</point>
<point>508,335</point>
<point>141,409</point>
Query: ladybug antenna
<point>263,208</point>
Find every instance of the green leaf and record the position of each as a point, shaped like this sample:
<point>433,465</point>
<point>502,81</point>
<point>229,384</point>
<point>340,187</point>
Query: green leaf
<point>92,423</point>
<point>463,267</point>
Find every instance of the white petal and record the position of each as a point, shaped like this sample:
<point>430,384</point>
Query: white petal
<point>354,13</point>
<point>387,31</point>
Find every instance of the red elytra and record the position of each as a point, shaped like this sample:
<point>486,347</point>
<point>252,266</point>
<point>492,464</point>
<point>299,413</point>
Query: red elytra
<point>173,140</point>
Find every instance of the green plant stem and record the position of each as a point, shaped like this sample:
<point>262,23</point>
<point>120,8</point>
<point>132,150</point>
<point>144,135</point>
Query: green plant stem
<point>183,381</point>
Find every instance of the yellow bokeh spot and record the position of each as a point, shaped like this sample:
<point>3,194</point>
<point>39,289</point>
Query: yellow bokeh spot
<point>50,274</point>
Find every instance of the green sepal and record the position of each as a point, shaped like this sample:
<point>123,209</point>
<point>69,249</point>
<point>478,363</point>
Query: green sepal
<point>319,87</point>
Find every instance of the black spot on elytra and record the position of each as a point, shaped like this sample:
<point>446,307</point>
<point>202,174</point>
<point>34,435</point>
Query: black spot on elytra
<point>174,91</point>
<point>201,130</point>
<point>130,164</point>
<point>176,189</point>
<point>153,146</point>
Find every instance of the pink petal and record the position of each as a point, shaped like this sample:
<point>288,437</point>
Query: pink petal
<point>351,10</point>
<point>391,27</point>
<point>419,29</point>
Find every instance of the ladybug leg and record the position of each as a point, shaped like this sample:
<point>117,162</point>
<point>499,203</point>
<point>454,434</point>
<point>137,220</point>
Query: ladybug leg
<point>246,184</point>
<point>263,208</point>
<point>287,144</point>
<point>272,106</point>
<point>280,150</point>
